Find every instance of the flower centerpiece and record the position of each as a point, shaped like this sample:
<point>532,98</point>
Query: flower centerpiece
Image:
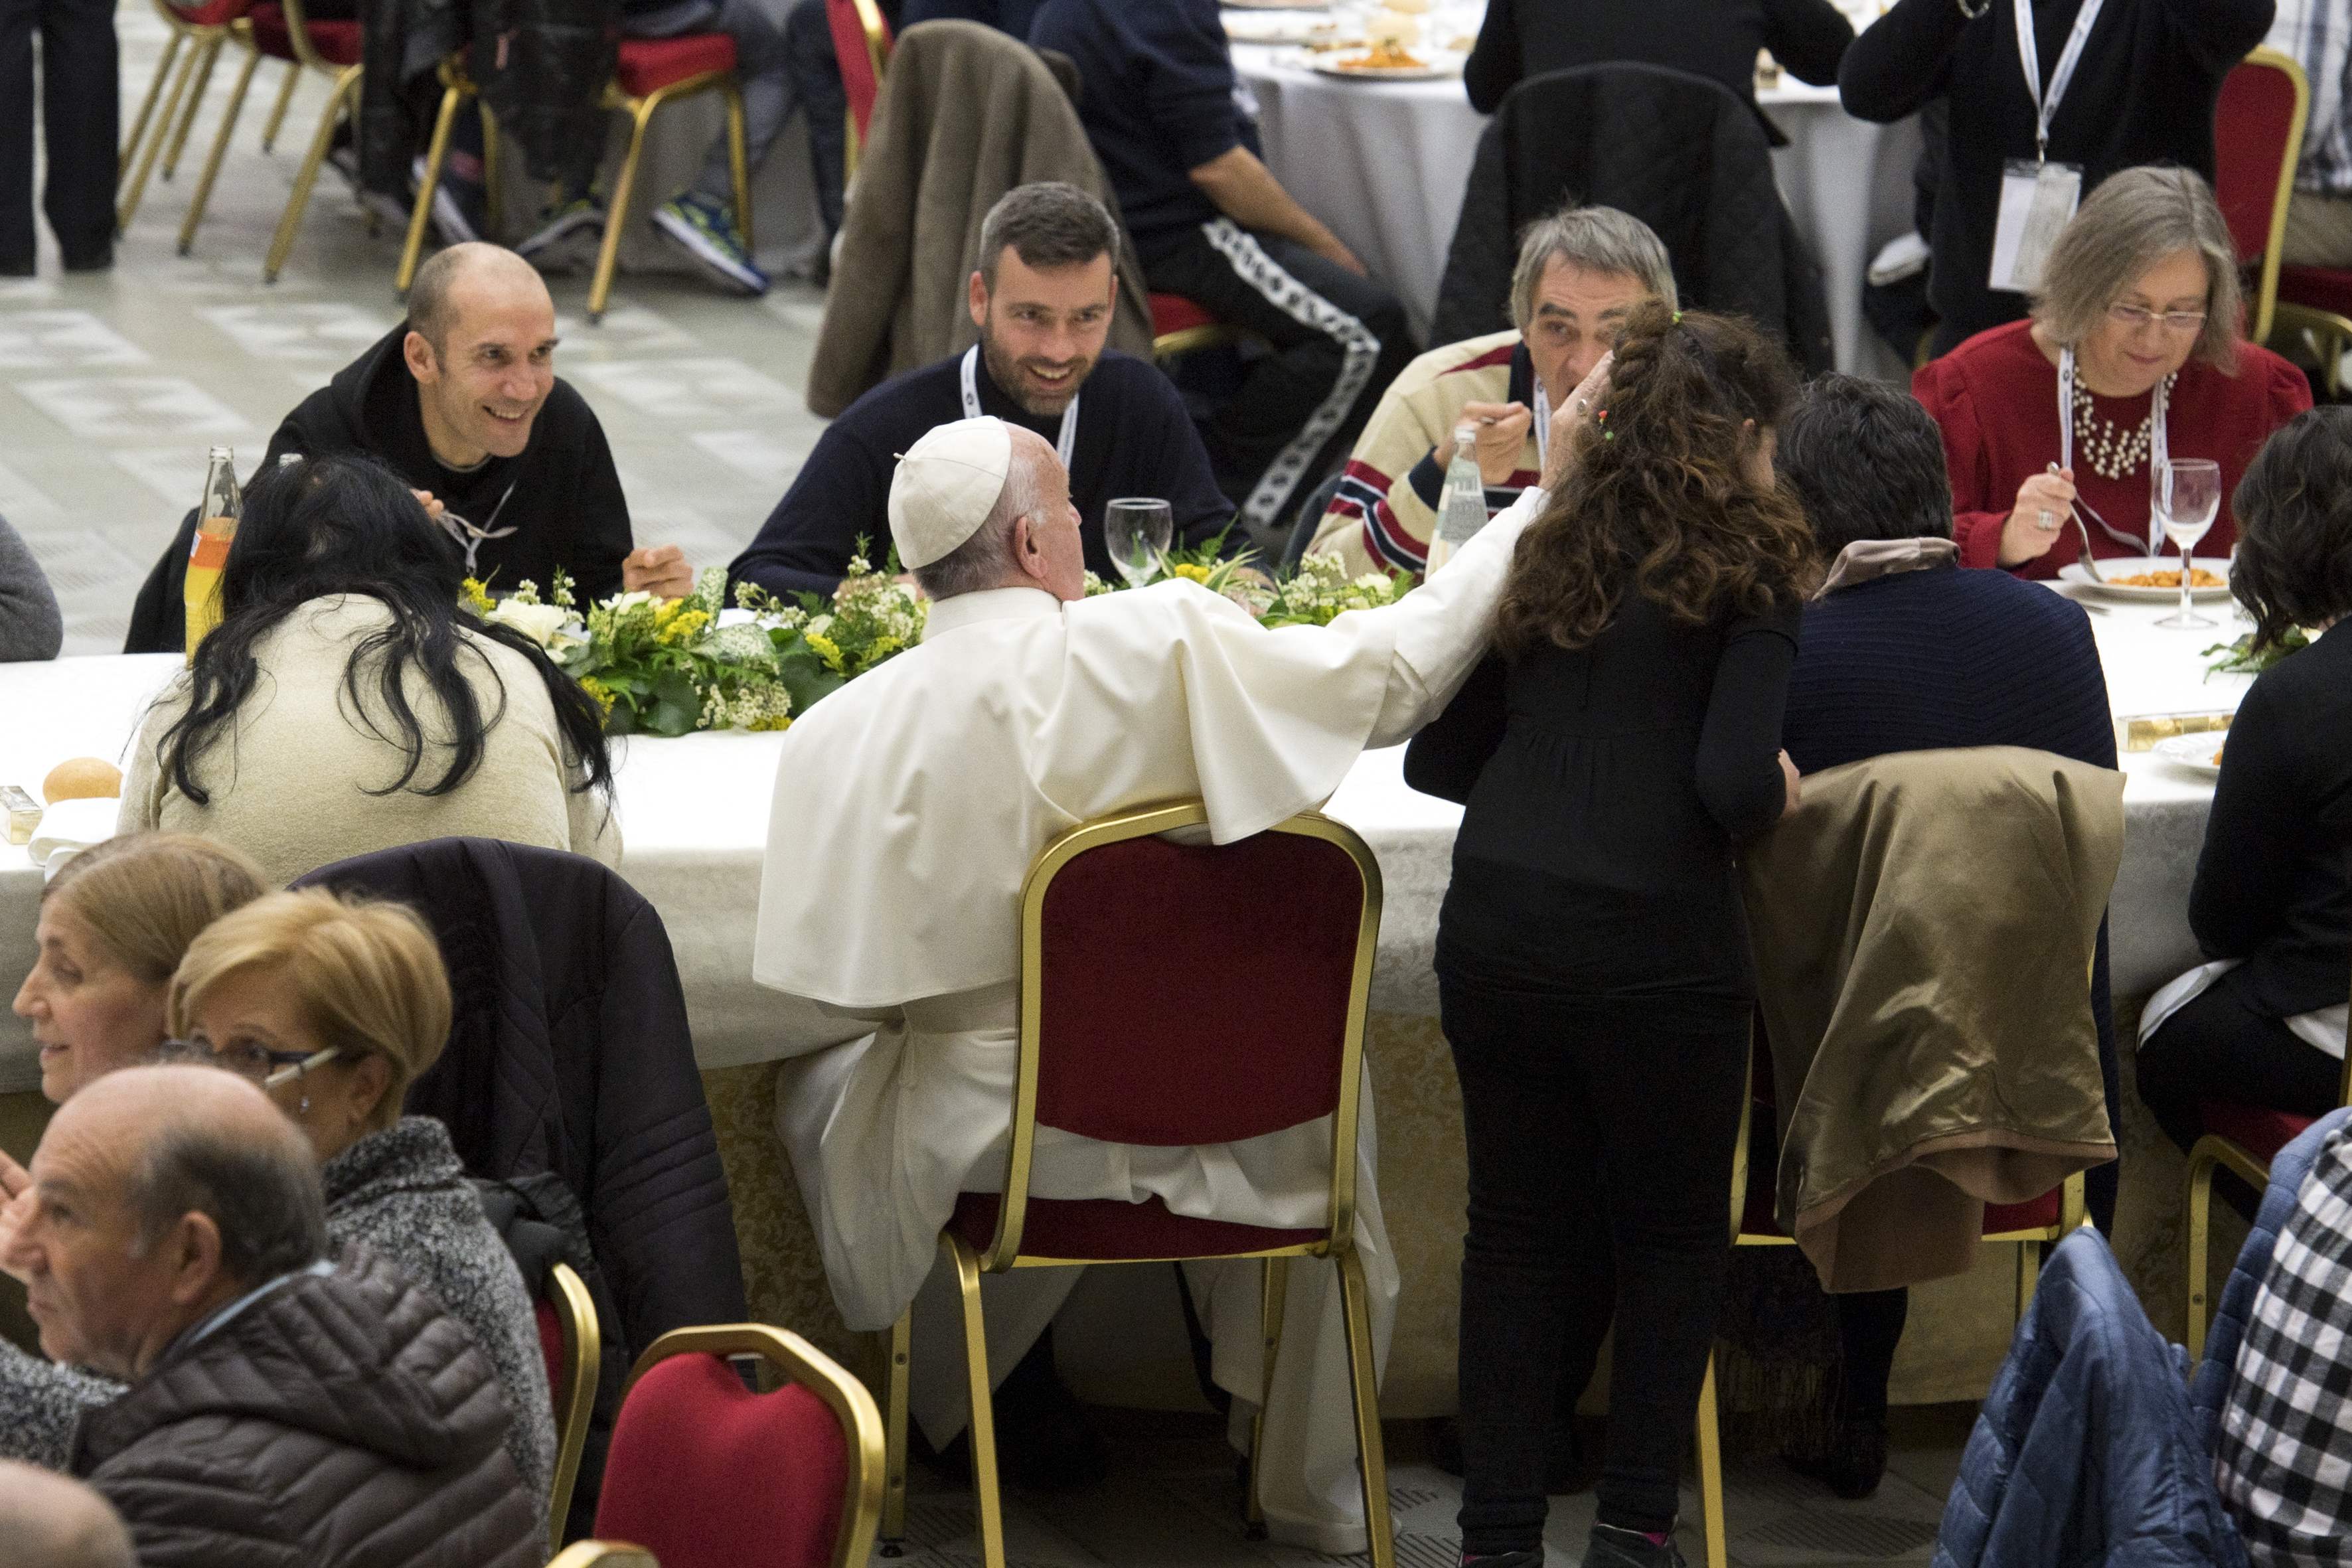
<point>2239,657</point>
<point>670,668</point>
<point>1314,594</point>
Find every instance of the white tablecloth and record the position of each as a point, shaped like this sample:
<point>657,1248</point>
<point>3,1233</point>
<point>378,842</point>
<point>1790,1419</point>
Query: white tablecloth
<point>693,813</point>
<point>1383,164</point>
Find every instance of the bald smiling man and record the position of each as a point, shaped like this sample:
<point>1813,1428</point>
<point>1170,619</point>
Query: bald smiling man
<point>462,401</point>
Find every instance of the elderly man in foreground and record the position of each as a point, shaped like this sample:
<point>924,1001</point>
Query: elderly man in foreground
<point>908,810</point>
<point>283,1410</point>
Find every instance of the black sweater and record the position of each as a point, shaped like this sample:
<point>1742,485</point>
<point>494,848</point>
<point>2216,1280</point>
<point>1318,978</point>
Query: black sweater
<point>562,495</point>
<point>2275,879</point>
<point>1607,789</point>
<point>1713,38</point>
<point>2143,93</point>
<point>1134,439</point>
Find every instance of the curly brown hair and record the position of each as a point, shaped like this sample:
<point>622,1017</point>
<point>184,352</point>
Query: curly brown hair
<point>1660,498</point>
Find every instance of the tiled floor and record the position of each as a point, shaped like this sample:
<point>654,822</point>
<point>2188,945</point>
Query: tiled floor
<point>1172,1502</point>
<point>112,386</point>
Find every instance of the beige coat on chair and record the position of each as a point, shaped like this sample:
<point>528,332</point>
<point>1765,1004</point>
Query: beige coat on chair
<point>1924,925</point>
<point>966,113</point>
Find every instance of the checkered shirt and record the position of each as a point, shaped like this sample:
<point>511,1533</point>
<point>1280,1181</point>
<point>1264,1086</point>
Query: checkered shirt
<point>2284,1461</point>
<point>2318,33</point>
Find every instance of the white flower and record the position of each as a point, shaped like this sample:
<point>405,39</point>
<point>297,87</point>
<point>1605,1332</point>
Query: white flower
<point>546,624</point>
<point>621,604</point>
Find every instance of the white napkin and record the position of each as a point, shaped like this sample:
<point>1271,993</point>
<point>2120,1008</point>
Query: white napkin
<point>69,828</point>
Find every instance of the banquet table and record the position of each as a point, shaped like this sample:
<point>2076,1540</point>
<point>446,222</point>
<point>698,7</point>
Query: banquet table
<point>1383,164</point>
<point>694,817</point>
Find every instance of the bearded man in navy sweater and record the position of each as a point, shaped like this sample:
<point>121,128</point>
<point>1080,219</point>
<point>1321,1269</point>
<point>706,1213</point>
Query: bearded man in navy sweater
<point>1041,298</point>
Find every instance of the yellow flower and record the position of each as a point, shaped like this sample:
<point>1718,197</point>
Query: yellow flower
<point>826,649</point>
<point>473,597</point>
<point>779,722</point>
<point>1188,569</point>
<point>674,623</point>
<point>599,690</point>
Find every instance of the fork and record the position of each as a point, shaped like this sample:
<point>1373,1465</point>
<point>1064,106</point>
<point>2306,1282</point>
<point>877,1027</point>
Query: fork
<point>2074,511</point>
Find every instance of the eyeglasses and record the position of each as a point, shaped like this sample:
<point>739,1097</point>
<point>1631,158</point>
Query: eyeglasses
<point>2133,318</point>
<point>266,1067</point>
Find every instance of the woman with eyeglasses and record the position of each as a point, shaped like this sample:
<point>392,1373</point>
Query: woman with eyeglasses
<point>335,1007</point>
<point>347,702</point>
<point>2134,354</point>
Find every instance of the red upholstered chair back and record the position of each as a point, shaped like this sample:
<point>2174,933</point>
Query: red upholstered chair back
<point>2258,130</point>
<point>861,42</point>
<point>1197,994</point>
<point>704,1473</point>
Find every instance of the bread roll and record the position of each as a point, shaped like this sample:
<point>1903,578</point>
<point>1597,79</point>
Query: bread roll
<point>82,778</point>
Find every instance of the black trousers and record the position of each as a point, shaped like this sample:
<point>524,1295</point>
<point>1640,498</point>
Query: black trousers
<point>1337,339</point>
<point>2220,1048</point>
<point>1593,1127</point>
<point>80,122</point>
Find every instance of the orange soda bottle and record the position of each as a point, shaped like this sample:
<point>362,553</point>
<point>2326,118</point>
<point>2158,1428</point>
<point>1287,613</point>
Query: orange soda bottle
<point>217,518</point>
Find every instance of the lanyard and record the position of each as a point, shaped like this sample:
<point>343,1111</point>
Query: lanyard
<point>1063,447</point>
<point>471,537</point>
<point>2029,51</point>
<point>1543,428</point>
<point>2159,450</point>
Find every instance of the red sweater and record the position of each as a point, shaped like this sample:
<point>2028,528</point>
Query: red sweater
<point>1996,398</point>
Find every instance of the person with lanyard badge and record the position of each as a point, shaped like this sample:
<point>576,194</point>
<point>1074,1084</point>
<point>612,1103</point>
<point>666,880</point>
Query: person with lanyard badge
<point>1040,297</point>
<point>2129,83</point>
<point>2058,429</point>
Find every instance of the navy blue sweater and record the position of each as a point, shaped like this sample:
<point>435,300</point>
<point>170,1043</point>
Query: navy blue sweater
<point>1950,658</point>
<point>1134,439</point>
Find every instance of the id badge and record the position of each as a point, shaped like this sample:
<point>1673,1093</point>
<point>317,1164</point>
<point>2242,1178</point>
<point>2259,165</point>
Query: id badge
<point>2036,200</point>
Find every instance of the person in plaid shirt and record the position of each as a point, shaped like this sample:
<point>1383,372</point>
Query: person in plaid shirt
<point>2318,33</point>
<point>2283,1463</point>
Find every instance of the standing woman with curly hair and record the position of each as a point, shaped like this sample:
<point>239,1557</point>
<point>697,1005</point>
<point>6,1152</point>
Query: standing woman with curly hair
<point>1592,961</point>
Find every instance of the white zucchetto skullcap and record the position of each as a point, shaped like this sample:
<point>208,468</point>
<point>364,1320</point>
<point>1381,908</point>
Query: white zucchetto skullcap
<point>945,487</point>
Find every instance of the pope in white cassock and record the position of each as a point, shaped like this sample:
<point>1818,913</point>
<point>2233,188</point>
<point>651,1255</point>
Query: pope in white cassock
<point>908,806</point>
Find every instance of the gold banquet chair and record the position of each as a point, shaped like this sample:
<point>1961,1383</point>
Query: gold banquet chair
<point>573,1344</point>
<point>707,1474</point>
<point>2246,1139</point>
<point>1118,1045</point>
<point>456,87</point>
<point>203,29</point>
<point>2033,1227</point>
<point>650,74</point>
<point>602,1555</point>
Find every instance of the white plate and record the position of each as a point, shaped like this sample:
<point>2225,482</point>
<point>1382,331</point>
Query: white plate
<point>1447,64</point>
<point>2133,565</point>
<point>2195,752</point>
<point>1287,27</point>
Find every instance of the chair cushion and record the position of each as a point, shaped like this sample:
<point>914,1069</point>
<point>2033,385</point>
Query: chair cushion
<point>2258,1129</point>
<point>211,13</point>
<point>704,1471</point>
<point>338,43</point>
<point>1104,1230</point>
<point>2252,124</point>
<point>648,65</point>
<point>2321,288</point>
<point>1175,313</point>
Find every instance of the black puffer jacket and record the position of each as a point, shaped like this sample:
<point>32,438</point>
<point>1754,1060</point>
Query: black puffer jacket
<point>1675,150</point>
<point>342,1421</point>
<point>569,1051</point>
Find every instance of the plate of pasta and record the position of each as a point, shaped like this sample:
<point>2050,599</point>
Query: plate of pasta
<point>2154,579</point>
<point>1387,60</point>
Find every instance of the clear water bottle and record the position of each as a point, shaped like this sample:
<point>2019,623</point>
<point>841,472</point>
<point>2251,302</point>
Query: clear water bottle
<point>216,517</point>
<point>1461,511</point>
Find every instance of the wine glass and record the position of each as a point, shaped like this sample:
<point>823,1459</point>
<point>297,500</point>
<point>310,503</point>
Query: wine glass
<point>1137,530</point>
<point>2188,493</point>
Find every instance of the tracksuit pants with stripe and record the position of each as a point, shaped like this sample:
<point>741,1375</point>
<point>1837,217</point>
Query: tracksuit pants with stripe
<point>1337,340</point>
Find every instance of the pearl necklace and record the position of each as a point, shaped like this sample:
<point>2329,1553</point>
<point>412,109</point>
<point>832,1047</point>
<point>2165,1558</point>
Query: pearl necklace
<point>2111,452</point>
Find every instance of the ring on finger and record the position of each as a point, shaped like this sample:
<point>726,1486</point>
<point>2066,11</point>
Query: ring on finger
<point>2049,522</point>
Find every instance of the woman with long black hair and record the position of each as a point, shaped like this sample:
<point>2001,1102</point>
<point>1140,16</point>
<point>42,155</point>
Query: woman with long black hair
<point>347,702</point>
<point>1592,963</point>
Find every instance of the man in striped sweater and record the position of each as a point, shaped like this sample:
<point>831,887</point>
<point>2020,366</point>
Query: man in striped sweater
<point>1580,271</point>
